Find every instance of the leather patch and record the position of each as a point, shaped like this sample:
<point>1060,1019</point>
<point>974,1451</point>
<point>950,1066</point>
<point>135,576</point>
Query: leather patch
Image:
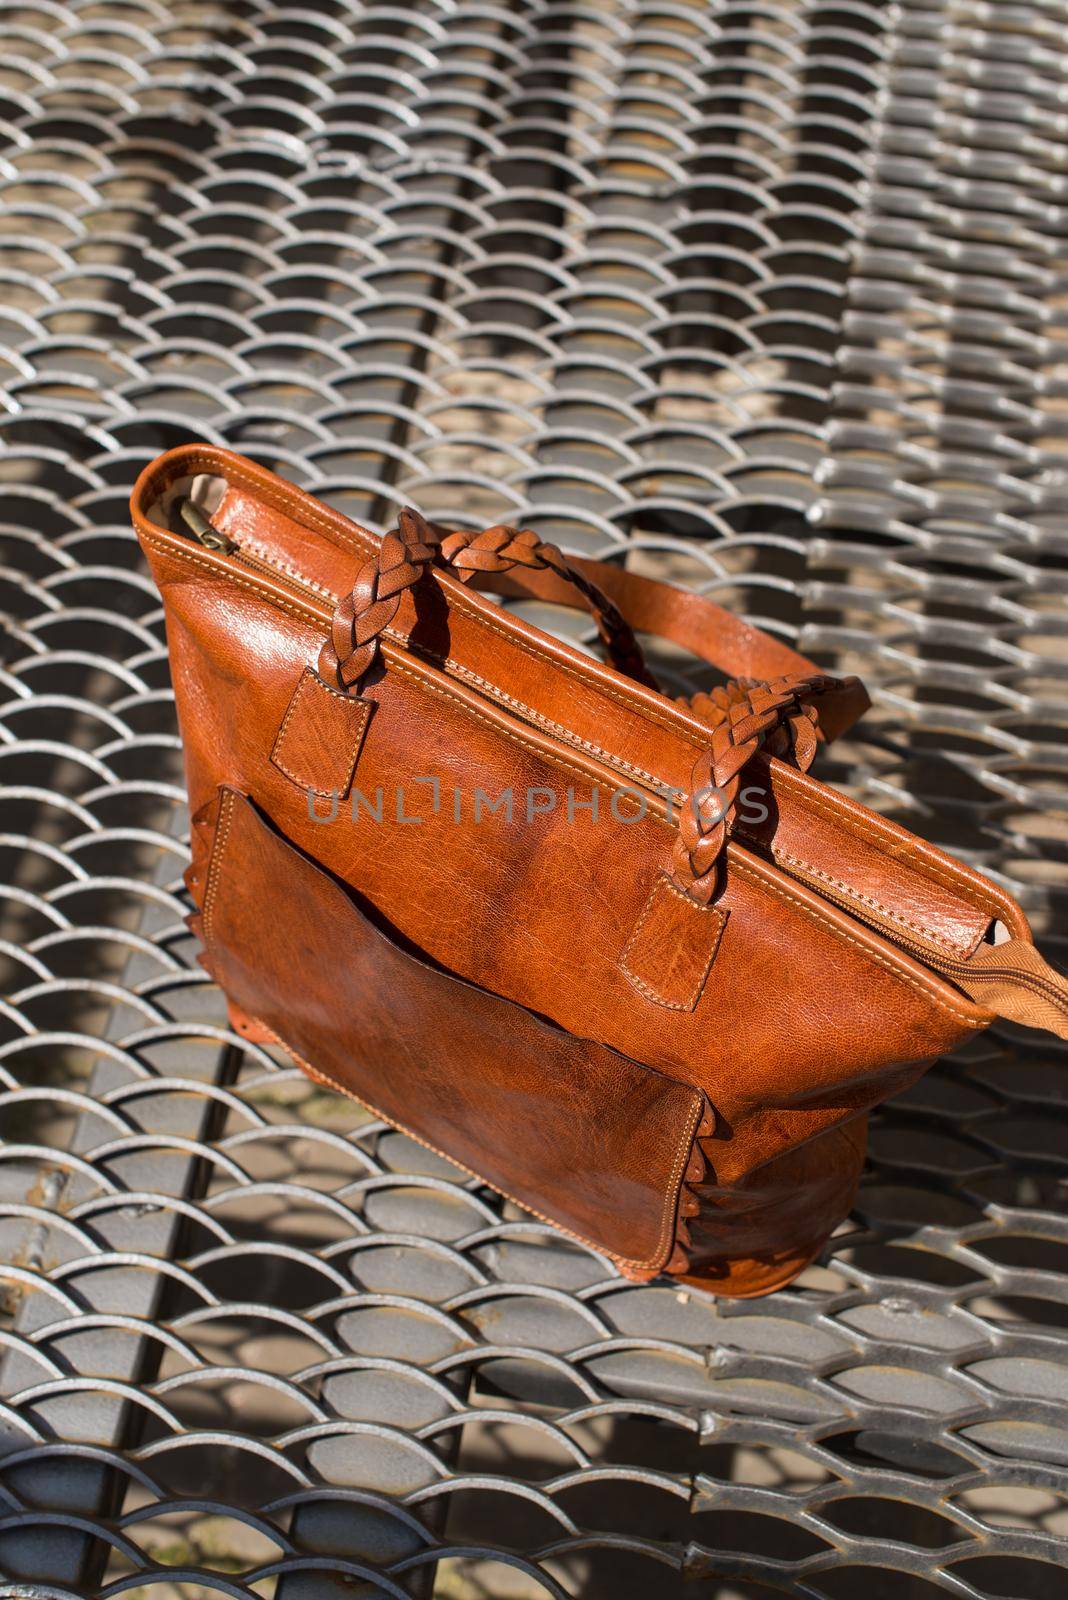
<point>670,953</point>
<point>319,741</point>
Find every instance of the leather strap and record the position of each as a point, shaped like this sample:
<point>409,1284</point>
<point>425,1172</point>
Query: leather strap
<point>780,717</point>
<point>402,559</point>
<point>697,625</point>
<point>501,549</point>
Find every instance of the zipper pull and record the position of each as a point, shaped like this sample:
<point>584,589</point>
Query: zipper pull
<point>204,531</point>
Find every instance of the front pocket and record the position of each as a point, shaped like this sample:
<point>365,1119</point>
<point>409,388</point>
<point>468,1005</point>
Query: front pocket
<point>577,1133</point>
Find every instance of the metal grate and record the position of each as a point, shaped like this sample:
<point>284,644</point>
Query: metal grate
<point>763,294</point>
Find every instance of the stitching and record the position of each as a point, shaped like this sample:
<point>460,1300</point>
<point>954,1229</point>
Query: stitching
<point>570,670</point>
<point>290,571</point>
<point>309,678</point>
<point>226,812</point>
<point>925,989</point>
<point>284,729</point>
<point>880,839</point>
<point>235,472</point>
<point>463,604</point>
<point>306,613</point>
<point>775,890</point>
<point>557,728</point>
<point>647,988</point>
<point>877,838</point>
<point>218,570</point>
<point>394,665</point>
<point>682,1153</point>
<point>866,899</point>
<point>510,733</point>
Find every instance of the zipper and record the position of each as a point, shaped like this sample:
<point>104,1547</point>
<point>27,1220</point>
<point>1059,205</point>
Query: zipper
<point>220,543</point>
<point>960,971</point>
<point>919,949</point>
<point>205,532</point>
<point>964,970</point>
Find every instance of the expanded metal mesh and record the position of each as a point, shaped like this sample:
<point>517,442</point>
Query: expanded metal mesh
<point>767,297</point>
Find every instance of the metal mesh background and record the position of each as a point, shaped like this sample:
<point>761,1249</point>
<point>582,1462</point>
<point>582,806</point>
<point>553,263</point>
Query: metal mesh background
<point>768,294</point>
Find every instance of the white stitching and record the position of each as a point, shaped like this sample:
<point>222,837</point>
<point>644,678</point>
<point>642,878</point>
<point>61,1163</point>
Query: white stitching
<point>903,977</point>
<point>226,809</point>
<point>936,939</point>
<point>880,840</point>
<point>668,1224</point>
<point>312,516</point>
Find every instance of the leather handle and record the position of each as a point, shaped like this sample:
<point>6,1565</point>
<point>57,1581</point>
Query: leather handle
<point>361,615</point>
<point>502,549</point>
<point>403,557</point>
<point>781,718</point>
<point>745,654</point>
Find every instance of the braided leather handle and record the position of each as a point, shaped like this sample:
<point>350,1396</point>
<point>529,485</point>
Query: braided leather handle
<point>501,548</point>
<point>401,561</point>
<point>361,615</point>
<point>780,717</point>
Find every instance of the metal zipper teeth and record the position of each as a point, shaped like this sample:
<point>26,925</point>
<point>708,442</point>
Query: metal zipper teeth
<point>922,953</point>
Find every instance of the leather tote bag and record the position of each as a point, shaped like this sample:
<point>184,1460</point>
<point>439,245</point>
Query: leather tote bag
<point>619,955</point>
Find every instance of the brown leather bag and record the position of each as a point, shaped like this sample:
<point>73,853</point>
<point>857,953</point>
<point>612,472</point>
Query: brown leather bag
<point>620,956</point>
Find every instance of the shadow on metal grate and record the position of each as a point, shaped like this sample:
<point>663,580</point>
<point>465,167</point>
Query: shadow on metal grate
<point>767,295</point>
